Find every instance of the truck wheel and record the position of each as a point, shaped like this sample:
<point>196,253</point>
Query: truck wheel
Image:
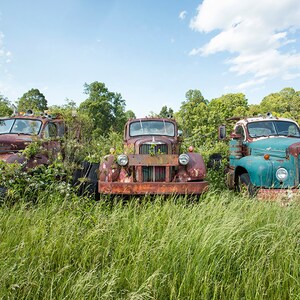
<point>90,184</point>
<point>214,161</point>
<point>245,186</point>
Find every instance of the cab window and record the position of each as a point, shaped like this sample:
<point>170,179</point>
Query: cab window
<point>50,131</point>
<point>60,129</point>
<point>240,130</point>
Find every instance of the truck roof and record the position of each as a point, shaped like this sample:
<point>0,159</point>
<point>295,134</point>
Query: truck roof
<point>42,118</point>
<point>266,118</point>
<point>152,119</point>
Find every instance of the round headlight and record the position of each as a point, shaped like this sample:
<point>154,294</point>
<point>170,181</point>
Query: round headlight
<point>122,160</point>
<point>183,159</point>
<point>282,174</point>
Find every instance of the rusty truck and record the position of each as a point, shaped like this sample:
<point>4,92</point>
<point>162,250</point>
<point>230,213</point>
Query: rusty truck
<point>264,155</point>
<point>19,130</point>
<point>152,162</point>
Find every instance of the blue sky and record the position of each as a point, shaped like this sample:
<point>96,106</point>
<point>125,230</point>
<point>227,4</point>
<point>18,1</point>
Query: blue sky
<point>152,52</point>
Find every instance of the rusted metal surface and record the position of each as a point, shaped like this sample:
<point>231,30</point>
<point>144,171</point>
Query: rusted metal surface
<point>277,194</point>
<point>12,142</point>
<point>145,188</point>
<point>196,168</point>
<point>294,149</point>
<point>166,160</point>
<point>152,149</point>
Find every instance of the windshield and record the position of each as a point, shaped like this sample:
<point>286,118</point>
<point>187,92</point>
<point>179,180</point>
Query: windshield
<point>267,128</point>
<point>152,128</point>
<point>20,126</point>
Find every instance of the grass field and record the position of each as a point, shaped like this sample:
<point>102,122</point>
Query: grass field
<point>218,247</point>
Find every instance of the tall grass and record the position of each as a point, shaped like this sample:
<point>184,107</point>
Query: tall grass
<point>220,247</point>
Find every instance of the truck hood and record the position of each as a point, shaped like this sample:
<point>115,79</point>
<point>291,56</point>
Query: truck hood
<point>275,146</point>
<point>13,142</point>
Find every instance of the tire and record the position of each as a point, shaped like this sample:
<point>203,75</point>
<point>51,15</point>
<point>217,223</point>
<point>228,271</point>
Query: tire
<point>246,187</point>
<point>89,173</point>
<point>92,183</point>
<point>214,161</point>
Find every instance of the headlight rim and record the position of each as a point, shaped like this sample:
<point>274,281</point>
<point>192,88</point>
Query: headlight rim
<point>281,169</point>
<point>185,157</point>
<point>120,158</point>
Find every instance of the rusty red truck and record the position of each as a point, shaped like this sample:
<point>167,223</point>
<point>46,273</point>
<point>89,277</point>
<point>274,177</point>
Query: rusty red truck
<point>152,162</point>
<point>19,130</point>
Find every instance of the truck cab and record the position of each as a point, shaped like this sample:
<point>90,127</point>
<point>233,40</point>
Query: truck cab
<point>264,154</point>
<point>152,162</point>
<point>18,131</point>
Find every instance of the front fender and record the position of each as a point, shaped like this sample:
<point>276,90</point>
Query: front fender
<point>260,170</point>
<point>28,163</point>
<point>196,167</point>
<point>108,169</point>
<point>15,158</point>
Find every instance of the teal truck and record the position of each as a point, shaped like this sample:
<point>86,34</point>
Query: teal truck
<point>264,155</point>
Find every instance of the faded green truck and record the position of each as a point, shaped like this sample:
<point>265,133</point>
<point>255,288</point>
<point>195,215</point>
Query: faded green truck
<point>264,155</point>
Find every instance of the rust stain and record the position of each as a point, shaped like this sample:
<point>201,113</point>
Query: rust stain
<point>164,160</point>
<point>145,188</point>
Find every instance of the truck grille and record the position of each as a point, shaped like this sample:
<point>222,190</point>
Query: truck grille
<point>154,174</point>
<point>157,173</point>
<point>154,149</point>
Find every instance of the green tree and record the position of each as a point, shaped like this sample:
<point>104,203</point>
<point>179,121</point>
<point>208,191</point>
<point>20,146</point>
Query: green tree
<point>193,114</point>
<point>285,103</point>
<point>34,100</point>
<point>106,109</point>
<point>5,107</point>
<point>254,110</point>
<point>130,115</point>
<point>166,112</point>
<point>200,119</point>
<point>224,107</point>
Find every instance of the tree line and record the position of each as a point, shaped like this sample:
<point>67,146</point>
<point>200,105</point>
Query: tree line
<point>105,111</point>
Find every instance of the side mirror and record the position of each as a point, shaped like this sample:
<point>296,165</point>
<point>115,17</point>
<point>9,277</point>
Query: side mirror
<point>222,132</point>
<point>179,132</point>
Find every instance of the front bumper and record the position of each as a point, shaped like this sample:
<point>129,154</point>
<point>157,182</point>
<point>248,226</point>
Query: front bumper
<point>153,188</point>
<point>277,194</point>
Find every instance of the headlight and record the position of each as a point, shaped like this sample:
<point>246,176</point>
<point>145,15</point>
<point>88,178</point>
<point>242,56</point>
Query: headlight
<point>282,174</point>
<point>122,160</point>
<point>183,159</point>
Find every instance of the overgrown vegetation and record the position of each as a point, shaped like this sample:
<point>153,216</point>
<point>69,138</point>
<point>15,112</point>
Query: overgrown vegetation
<point>221,247</point>
<point>56,245</point>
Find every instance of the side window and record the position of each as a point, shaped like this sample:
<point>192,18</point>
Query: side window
<point>240,130</point>
<point>60,129</point>
<point>293,130</point>
<point>50,131</point>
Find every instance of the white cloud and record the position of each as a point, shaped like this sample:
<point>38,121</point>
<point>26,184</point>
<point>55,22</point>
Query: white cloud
<point>182,15</point>
<point>253,33</point>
